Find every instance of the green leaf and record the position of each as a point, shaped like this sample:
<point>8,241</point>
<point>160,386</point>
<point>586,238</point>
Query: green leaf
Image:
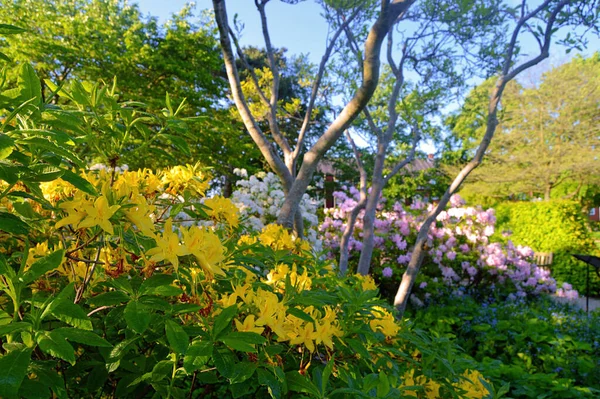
<point>179,143</point>
<point>242,371</point>
<point>47,145</point>
<point>162,370</point>
<point>32,389</point>
<point>55,344</point>
<point>114,359</point>
<point>273,385</point>
<point>79,182</point>
<point>6,145</point>
<point>43,173</point>
<point>224,320</point>
<point>14,368</point>
<point>159,284</point>
<point>14,327</point>
<point>300,314</point>
<point>197,355</point>
<point>358,347</point>
<point>9,173</point>
<point>109,298</point>
<point>238,345</point>
<point>326,374</point>
<point>42,266</point>
<point>6,29</point>
<point>13,224</point>
<point>29,84</point>
<point>178,339</point>
<point>224,361</point>
<point>137,316</point>
<point>83,337</point>
<point>298,383</point>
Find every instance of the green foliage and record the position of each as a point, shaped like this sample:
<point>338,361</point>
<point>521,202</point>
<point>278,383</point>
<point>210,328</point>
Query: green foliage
<point>560,227</point>
<point>541,348</point>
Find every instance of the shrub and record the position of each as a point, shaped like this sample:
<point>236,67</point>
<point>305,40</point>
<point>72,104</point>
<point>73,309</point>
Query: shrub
<point>559,227</point>
<point>461,258</point>
<point>105,290</point>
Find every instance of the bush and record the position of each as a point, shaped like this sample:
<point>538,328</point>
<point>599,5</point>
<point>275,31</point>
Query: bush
<point>125,284</point>
<point>560,227</point>
<point>461,258</point>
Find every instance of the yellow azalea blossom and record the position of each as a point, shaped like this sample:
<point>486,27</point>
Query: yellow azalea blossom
<point>306,336</point>
<point>325,332</point>
<point>248,325</point>
<point>278,276</point>
<point>367,283</point>
<point>168,246</point>
<point>246,240</point>
<point>384,321</point>
<point>75,271</point>
<point>472,386</point>
<point>76,211</point>
<point>139,215</point>
<point>57,189</point>
<point>206,247</point>
<point>223,210</point>
<point>269,307</point>
<point>276,237</point>
<point>188,177</point>
<point>99,214</point>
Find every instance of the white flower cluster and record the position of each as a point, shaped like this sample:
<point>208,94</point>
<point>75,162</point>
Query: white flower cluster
<point>261,196</point>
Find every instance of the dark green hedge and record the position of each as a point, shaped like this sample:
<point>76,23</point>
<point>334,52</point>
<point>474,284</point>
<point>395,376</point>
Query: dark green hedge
<point>560,227</point>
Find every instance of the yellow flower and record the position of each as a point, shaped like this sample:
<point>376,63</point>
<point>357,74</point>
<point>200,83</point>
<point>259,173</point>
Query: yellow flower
<point>222,209</point>
<point>99,214</point>
<point>168,246</point>
<point>140,215</point>
<point>248,325</point>
<point>367,283</point>
<point>276,237</point>
<point>188,177</point>
<point>206,247</point>
<point>384,321</point>
<point>306,336</point>
<point>75,209</point>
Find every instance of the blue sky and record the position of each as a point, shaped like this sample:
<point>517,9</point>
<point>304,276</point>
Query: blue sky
<point>304,33</point>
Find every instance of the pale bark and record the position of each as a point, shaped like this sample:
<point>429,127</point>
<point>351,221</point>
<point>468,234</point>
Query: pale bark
<point>507,74</point>
<point>295,186</point>
<point>349,230</point>
<point>388,15</point>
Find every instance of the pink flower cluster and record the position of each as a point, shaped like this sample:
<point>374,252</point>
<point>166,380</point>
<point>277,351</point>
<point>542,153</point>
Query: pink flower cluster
<point>460,250</point>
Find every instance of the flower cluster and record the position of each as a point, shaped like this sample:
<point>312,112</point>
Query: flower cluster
<point>461,256</point>
<point>260,198</point>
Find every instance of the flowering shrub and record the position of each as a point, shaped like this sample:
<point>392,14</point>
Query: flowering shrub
<point>119,297</point>
<point>460,258</point>
<point>105,290</point>
<point>260,198</point>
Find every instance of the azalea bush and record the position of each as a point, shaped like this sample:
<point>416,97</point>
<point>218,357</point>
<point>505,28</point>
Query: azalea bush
<point>130,283</point>
<point>461,256</point>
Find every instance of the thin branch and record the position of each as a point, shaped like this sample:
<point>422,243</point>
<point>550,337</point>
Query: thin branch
<point>317,84</point>
<point>250,69</point>
<point>407,160</point>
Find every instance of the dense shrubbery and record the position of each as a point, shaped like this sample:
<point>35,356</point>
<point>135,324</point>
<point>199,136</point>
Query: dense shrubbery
<point>559,227</point>
<point>461,258</point>
<point>127,284</point>
<point>544,349</point>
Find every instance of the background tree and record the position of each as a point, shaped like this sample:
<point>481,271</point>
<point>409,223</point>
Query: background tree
<point>296,180</point>
<point>548,136</point>
<point>542,21</point>
<point>93,40</point>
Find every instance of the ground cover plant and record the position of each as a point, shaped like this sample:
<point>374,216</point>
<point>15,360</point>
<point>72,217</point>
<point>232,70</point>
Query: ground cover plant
<point>543,349</point>
<point>118,283</point>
